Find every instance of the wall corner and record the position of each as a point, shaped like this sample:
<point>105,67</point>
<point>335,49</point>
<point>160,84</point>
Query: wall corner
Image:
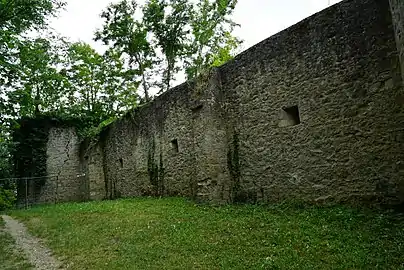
<point>397,12</point>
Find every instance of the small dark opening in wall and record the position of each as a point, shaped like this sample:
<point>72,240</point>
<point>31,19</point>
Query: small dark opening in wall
<point>121,162</point>
<point>290,116</point>
<point>197,108</point>
<point>174,145</point>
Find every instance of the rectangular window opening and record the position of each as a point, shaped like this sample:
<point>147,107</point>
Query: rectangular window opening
<point>290,116</point>
<point>197,109</point>
<point>174,145</point>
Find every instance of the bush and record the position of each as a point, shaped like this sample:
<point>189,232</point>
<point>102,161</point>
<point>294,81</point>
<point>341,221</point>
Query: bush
<point>7,198</point>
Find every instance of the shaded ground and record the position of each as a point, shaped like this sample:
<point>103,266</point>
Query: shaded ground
<point>11,258</point>
<point>35,252</point>
<point>173,233</point>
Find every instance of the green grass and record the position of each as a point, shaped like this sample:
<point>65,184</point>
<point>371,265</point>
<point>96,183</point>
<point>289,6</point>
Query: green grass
<point>173,233</point>
<point>10,257</point>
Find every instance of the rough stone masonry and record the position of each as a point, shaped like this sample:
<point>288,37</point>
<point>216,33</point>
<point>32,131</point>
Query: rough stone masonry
<point>314,113</point>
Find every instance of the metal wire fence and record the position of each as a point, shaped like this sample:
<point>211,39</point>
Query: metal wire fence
<point>30,191</point>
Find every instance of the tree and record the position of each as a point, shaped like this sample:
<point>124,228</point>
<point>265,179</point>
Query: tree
<point>41,86</point>
<point>169,37</point>
<point>129,37</point>
<point>99,85</point>
<point>212,41</point>
<point>168,21</point>
<point>16,18</point>
<point>47,75</point>
<point>85,77</point>
<point>120,89</point>
<point>5,157</point>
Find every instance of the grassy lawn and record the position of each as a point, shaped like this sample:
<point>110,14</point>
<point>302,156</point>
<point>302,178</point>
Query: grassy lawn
<point>172,233</point>
<point>10,258</point>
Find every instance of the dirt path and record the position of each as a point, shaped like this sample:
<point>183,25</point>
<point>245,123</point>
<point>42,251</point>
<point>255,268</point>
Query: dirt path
<point>37,254</point>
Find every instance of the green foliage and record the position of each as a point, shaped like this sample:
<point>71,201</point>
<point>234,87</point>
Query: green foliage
<point>7,185</point>
<point>223,53</point>
<point>168,21</point>
<point>128,36</point>
<point>22,72</point>
<point>212,42</point>
<point>172,233</point>
<point>40,86</point>
<point>93,131</point>
<point>46,81</point>
<point>7,198</point>
<point>6,165</point>
<point>69,79</point>
<point>16,18</point>
<point>163,38</point>
<point>30,137</point>
<point>99,86</point>
<point>48,77</point>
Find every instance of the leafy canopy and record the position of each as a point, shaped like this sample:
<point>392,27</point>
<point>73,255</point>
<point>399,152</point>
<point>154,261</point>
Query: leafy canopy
<point>165,38</point>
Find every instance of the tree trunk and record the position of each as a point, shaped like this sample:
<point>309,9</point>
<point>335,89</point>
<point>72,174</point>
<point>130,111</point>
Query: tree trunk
<point>37,100</point>
<point>144,83</point>
<point>146,90</point>
<point>169,64</point>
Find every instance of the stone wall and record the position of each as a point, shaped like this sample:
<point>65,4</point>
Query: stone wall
<point>136,149</point>
<point>48,162</point>
<point>337,72</point>
<point>314,113</point>
<point>175,145</point>
<point>397,10</point>
<point>94,172</point>
<point>340,69</point>
<point>63,166</point>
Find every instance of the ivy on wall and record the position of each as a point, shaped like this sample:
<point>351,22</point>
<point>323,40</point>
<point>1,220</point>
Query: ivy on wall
<point>30,137</point>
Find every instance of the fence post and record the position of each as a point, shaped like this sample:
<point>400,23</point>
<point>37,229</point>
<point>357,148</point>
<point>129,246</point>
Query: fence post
<point>26,193</point>
<point>56,190</point>
<point>16,187</point>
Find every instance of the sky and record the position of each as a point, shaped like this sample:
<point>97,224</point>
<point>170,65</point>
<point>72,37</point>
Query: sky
<point>259,19</point>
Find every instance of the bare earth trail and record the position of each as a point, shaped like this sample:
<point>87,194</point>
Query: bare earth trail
<point>38,255</point>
